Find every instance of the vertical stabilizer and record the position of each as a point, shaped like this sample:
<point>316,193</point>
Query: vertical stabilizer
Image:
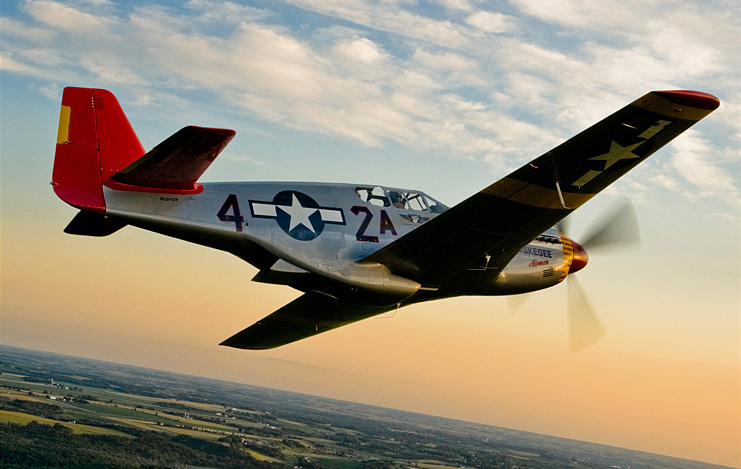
<point>94,141</point>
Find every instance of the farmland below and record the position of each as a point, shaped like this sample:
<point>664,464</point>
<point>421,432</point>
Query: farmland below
<point>61,411</point>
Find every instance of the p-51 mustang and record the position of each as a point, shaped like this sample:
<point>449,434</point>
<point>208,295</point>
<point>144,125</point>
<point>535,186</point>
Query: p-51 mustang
<point>354,250</point>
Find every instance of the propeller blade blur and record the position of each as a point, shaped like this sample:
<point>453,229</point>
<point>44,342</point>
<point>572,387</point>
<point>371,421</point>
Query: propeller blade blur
<point>618,230</point>
<point>564,224</point>
<point>515,303</point>
<point>585,328</point>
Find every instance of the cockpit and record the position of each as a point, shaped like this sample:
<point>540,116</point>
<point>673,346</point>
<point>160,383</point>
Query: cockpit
<point>399,198</point>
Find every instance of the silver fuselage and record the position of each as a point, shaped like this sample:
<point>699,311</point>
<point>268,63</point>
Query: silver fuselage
<point>321,233</point>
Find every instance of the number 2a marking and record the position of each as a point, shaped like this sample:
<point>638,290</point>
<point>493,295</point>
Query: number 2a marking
<point>236,216</point>
<point>386,224</point>
<point>360,235</point>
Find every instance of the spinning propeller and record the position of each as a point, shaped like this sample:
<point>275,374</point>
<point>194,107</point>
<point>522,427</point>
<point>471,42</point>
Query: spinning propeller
<point>617,230</point>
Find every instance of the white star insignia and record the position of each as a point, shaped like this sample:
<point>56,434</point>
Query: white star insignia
<point>298,214</point>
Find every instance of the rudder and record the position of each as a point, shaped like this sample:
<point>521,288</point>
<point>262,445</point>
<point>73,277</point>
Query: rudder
<point>94,141</point>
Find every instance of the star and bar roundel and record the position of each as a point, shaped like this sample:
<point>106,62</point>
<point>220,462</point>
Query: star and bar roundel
<point>298,215</point>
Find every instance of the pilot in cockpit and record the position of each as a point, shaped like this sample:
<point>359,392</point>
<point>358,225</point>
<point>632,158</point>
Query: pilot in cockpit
<point>397,200</point>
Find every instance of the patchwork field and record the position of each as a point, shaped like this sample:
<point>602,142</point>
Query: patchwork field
<point>63,411</point>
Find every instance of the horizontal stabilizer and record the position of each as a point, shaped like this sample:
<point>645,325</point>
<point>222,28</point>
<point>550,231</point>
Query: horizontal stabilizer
<point>93,224</point>
<point>177,163</point>
<point>304,317</point>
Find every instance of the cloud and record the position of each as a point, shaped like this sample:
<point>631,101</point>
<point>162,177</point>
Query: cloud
<point>8,63</point>
<point>224,12</point>
<point>456,5</point>
<point>491,22</point>
<point>693,160</point>
<point>583,13</point>
<point>691,39</point>
<point>466,83</point>
<point>447,70</point>
<point>359,49</point>
<point>19,30</point>
<point>66,18</point>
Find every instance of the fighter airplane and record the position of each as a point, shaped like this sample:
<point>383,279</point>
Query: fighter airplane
<point>354,250</point>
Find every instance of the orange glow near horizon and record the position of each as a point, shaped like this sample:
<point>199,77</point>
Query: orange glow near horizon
<point>465,358</point>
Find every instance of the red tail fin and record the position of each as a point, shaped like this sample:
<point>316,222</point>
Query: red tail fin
<point>95,140</point>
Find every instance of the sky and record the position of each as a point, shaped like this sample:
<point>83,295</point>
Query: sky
<point>443,96</point>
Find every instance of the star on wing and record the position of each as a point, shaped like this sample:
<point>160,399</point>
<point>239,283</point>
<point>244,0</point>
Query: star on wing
<point>617,152</point>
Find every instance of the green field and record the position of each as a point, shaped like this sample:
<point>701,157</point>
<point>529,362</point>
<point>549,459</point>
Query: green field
<point>23,419</point>
<point>332,463</point>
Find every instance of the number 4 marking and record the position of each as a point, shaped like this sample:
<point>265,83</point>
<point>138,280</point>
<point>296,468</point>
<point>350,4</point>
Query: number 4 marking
<point>236,216</point>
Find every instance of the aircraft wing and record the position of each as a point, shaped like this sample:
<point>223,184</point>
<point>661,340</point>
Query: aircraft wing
<point>178,162</point>
<point>491,226</point>
<point>308,315</point>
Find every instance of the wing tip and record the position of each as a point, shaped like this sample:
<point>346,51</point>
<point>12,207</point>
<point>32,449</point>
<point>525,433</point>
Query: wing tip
<point>244,345</point>
<point>246,340</point>
<point>695,99</point>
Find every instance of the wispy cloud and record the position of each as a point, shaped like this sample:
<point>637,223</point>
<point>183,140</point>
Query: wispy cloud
<point>694,161</point>
<point>491,22</point>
